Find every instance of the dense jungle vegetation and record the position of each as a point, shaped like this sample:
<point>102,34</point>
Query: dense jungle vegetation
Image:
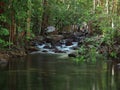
<point>21,21</point>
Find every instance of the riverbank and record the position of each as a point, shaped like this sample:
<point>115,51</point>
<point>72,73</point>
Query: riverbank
<point>60,43</point>
<point>65,43</point>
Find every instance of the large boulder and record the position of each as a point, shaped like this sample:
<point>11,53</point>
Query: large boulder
<point>54,38</point>
<point>51,30</point>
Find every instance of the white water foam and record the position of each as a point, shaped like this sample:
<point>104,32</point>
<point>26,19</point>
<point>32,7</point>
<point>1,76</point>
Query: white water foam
<point>62,48</point>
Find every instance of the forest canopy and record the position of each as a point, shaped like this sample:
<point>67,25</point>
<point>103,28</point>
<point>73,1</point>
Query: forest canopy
<point>22,20</point>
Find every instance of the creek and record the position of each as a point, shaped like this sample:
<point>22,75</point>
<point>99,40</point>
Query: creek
<point>39,71</point>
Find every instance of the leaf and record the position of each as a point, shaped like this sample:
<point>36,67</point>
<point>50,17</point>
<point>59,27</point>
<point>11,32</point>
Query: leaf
<point>4,31</point>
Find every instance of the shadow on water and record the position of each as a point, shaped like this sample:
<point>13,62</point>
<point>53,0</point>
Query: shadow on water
<point>49,72</point>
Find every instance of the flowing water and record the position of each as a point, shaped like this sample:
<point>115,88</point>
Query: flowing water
<point>54,72</point>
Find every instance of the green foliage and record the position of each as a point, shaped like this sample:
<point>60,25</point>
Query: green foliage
<point>89,51</point>
<point>113,54</point>
<point>68,12</point>
<point>3,33</point>
<point>2,18</point>
<point>4,44</point>
<point>36,18</point>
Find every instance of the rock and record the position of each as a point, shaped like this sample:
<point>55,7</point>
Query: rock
<point>32,48</point>
<point>33,43</point>
<point>72,55</point>
<point>54,38</point>
<point>75,48</point>
<point>68,43</point>
<point>59,51</point>
<point>17,53</point>
<point>39,38</point>
<point>47,47</point>
<point>118,66</point>
<point>4,56</point>
<point>59,44</point>
<point>44,51</point>
<point>76,39</point>
<point>3,62</point>
<point>50,29</point>
<point>48,39</point>
<point>78,34</point>
<point>80,43</point>
<point>67,35</point>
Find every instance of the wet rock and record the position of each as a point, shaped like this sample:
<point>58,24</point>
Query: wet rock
<point>68,43</point>
<point>75,48</point>
<point>33,43</point>
<point>40,43</point>
<point>47,47</point>
<point>58,51</point>
<point>53,39</point>
<point>47,40</point>
<point>44,51</point>
<point>72,55</point>
<point>32,48</point>
<point>59,44</point>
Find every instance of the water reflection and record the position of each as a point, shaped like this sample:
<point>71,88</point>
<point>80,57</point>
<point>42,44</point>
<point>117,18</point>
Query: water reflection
<point>113,76</point>
<point>47,72</point>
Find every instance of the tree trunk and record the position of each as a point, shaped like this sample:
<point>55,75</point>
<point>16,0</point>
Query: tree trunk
<point>28,24</point>
<point>12,25</point>
<point>107,6</point>
<point>94,6</point>
<point>28,32</point>
<point>45,17</point>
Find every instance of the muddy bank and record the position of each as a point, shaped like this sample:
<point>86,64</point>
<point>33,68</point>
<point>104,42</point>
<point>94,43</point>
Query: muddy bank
<point>6,54</point>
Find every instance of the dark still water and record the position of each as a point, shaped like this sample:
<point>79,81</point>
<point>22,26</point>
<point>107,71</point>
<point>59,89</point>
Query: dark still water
<point>50,72</point>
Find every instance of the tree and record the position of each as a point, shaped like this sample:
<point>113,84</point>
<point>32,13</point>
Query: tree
<point>45,16</point>
<point>28,29</point>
